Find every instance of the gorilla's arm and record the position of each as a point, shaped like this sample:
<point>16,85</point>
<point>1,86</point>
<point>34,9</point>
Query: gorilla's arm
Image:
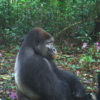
<point>75,85</point>
<point>43,80</point>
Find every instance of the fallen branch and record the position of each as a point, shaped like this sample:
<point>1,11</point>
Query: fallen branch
<point>66,28</point>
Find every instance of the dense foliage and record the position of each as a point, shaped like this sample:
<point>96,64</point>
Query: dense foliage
<point>69,18</point>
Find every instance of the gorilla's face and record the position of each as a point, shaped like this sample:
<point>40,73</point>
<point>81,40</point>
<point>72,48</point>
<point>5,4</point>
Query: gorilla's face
<point>51,51</point>
<point>42,43</point>
<point>46,49</point>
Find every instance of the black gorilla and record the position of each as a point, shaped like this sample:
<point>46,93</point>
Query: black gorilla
<point>36,75</point>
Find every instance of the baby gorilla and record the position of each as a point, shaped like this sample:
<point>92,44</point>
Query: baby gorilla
<point>36,75</point>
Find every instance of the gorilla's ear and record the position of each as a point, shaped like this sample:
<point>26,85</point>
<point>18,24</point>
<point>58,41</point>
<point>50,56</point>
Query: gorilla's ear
<point>36,42</point>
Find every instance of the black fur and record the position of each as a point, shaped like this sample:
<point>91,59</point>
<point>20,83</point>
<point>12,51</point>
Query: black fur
<point>77,88</point>
<point>38,77</point>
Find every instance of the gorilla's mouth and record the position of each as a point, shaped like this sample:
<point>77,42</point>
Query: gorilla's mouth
<point>55,56</point>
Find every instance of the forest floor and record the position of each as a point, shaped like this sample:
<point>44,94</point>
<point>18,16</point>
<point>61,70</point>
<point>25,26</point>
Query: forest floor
<point>77,63</point>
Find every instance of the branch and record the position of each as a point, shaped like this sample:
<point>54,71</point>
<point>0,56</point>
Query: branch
<point>66,28</point>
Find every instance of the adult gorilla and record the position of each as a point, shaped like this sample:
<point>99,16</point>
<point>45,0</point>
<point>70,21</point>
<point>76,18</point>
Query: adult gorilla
<point>36,75</point>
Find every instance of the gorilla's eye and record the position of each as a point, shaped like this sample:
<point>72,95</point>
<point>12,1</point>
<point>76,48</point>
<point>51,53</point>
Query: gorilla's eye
<point>49,45</point>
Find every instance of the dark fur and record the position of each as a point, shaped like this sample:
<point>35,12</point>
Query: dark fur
<point>38,74</point>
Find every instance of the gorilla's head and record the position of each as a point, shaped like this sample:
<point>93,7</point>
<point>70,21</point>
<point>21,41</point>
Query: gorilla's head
<point>41,42</point>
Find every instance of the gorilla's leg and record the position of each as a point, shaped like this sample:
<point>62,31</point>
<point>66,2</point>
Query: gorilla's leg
<point>77,89</point>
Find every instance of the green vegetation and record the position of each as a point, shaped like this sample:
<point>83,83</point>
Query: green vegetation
<point>75,25</point>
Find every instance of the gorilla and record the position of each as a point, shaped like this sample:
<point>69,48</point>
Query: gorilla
<point>36,75</point>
